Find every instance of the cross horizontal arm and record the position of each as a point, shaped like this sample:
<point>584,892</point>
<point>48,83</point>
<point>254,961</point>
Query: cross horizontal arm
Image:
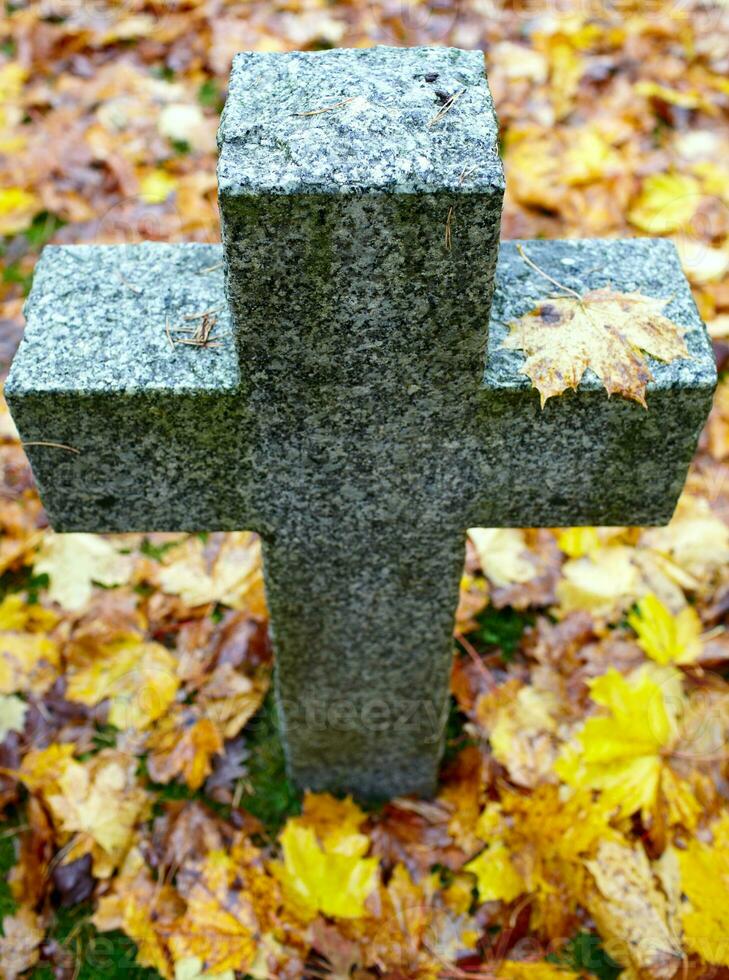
<point>131,421</point>
<point>165,442</point>
<point>587,458</point>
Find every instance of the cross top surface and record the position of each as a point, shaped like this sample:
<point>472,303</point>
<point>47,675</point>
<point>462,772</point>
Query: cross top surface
<point>363,120</point>
<point>355,408</point>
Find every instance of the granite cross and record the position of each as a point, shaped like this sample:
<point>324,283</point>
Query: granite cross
<point>358,412</point>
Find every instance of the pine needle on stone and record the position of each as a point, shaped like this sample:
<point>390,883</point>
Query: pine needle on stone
<point>446,107</point>
<point>327,108</point>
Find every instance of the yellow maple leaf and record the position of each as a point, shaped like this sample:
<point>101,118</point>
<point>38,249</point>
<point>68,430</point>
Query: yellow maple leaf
<point>145,908</point>
<point>589,156</point>
<point>41,769</point>
<point>333,877</point>
<point>219,925</point>
<point>602,330</point>
<point>604,582</point>
<point>331,819</point>
<point>235,577</point>
<point>576,542</point>
<point>17,207</point>
<point>704,870</point>
<point>17,614</point>
<point>230,697</point>
<point>395,935</point>
<point>549,838</point>
<point>74,561</point>
<point>156,186</point>
<point>183,744</point>
<point>138,678</point>
<point>29,662</point>
<point>12,714</point>
<point>496,876</point>
<point>503,554</point>
<point>622,753</point>
<point>630,911</point>
<point>100,803</point>
<point>666,638</point>
<point>666,203</point>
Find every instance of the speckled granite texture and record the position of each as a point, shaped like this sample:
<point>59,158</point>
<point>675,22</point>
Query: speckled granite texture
<point>587,458</point>
<point>363,516</point>
<point>379,130</point>
<point>360,245</point>
<point>157,430</point>
<point>363,425</point>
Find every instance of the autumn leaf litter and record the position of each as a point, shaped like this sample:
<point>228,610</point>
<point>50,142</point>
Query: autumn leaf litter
<point>581,823</point>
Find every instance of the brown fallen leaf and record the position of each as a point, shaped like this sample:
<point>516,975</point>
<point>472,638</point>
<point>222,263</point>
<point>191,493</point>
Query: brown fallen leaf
<point>29,879</point>
<point>229,901</point>
<point>631,912</point>
<point>97,806</point>
<point>144,908</point>
<point>19,944</point>
<point>603,330</point>
<point>183,744</point>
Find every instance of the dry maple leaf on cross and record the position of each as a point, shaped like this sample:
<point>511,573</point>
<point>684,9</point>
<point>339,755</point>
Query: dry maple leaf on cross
<point>603,330</point>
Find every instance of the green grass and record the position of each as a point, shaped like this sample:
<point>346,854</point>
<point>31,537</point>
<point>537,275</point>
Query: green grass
<point>110,955</point>
<point>584,953</point>
<point>158,551</point>
<point>456,739</point>
<point>271,798</point>
<point>7,860</point>
<point>210,96</point>
<point>23,581</point>
<point>502,628</point>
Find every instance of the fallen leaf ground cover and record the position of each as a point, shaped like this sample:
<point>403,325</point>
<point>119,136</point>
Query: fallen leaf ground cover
<point>581,825</point>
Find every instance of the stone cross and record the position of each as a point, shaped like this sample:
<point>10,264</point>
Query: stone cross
<point>358,412</point>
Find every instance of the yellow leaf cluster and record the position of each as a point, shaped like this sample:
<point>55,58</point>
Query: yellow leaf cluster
<point>29,658</point>
<point>704,870</point>
<point>183,744</point>
<point>666,638</point>
<point>138,678</point>
<point>622,751</point>
<point>324,868</point>
<point>218,926</point>
<point>95,805</point>
<point>235,578</point>
<point>667,203</point>
<point>496,876</point>
<point>74,562</point>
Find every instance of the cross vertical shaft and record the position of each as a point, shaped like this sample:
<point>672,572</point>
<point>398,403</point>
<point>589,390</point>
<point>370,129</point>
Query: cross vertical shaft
<point>360,236</point>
